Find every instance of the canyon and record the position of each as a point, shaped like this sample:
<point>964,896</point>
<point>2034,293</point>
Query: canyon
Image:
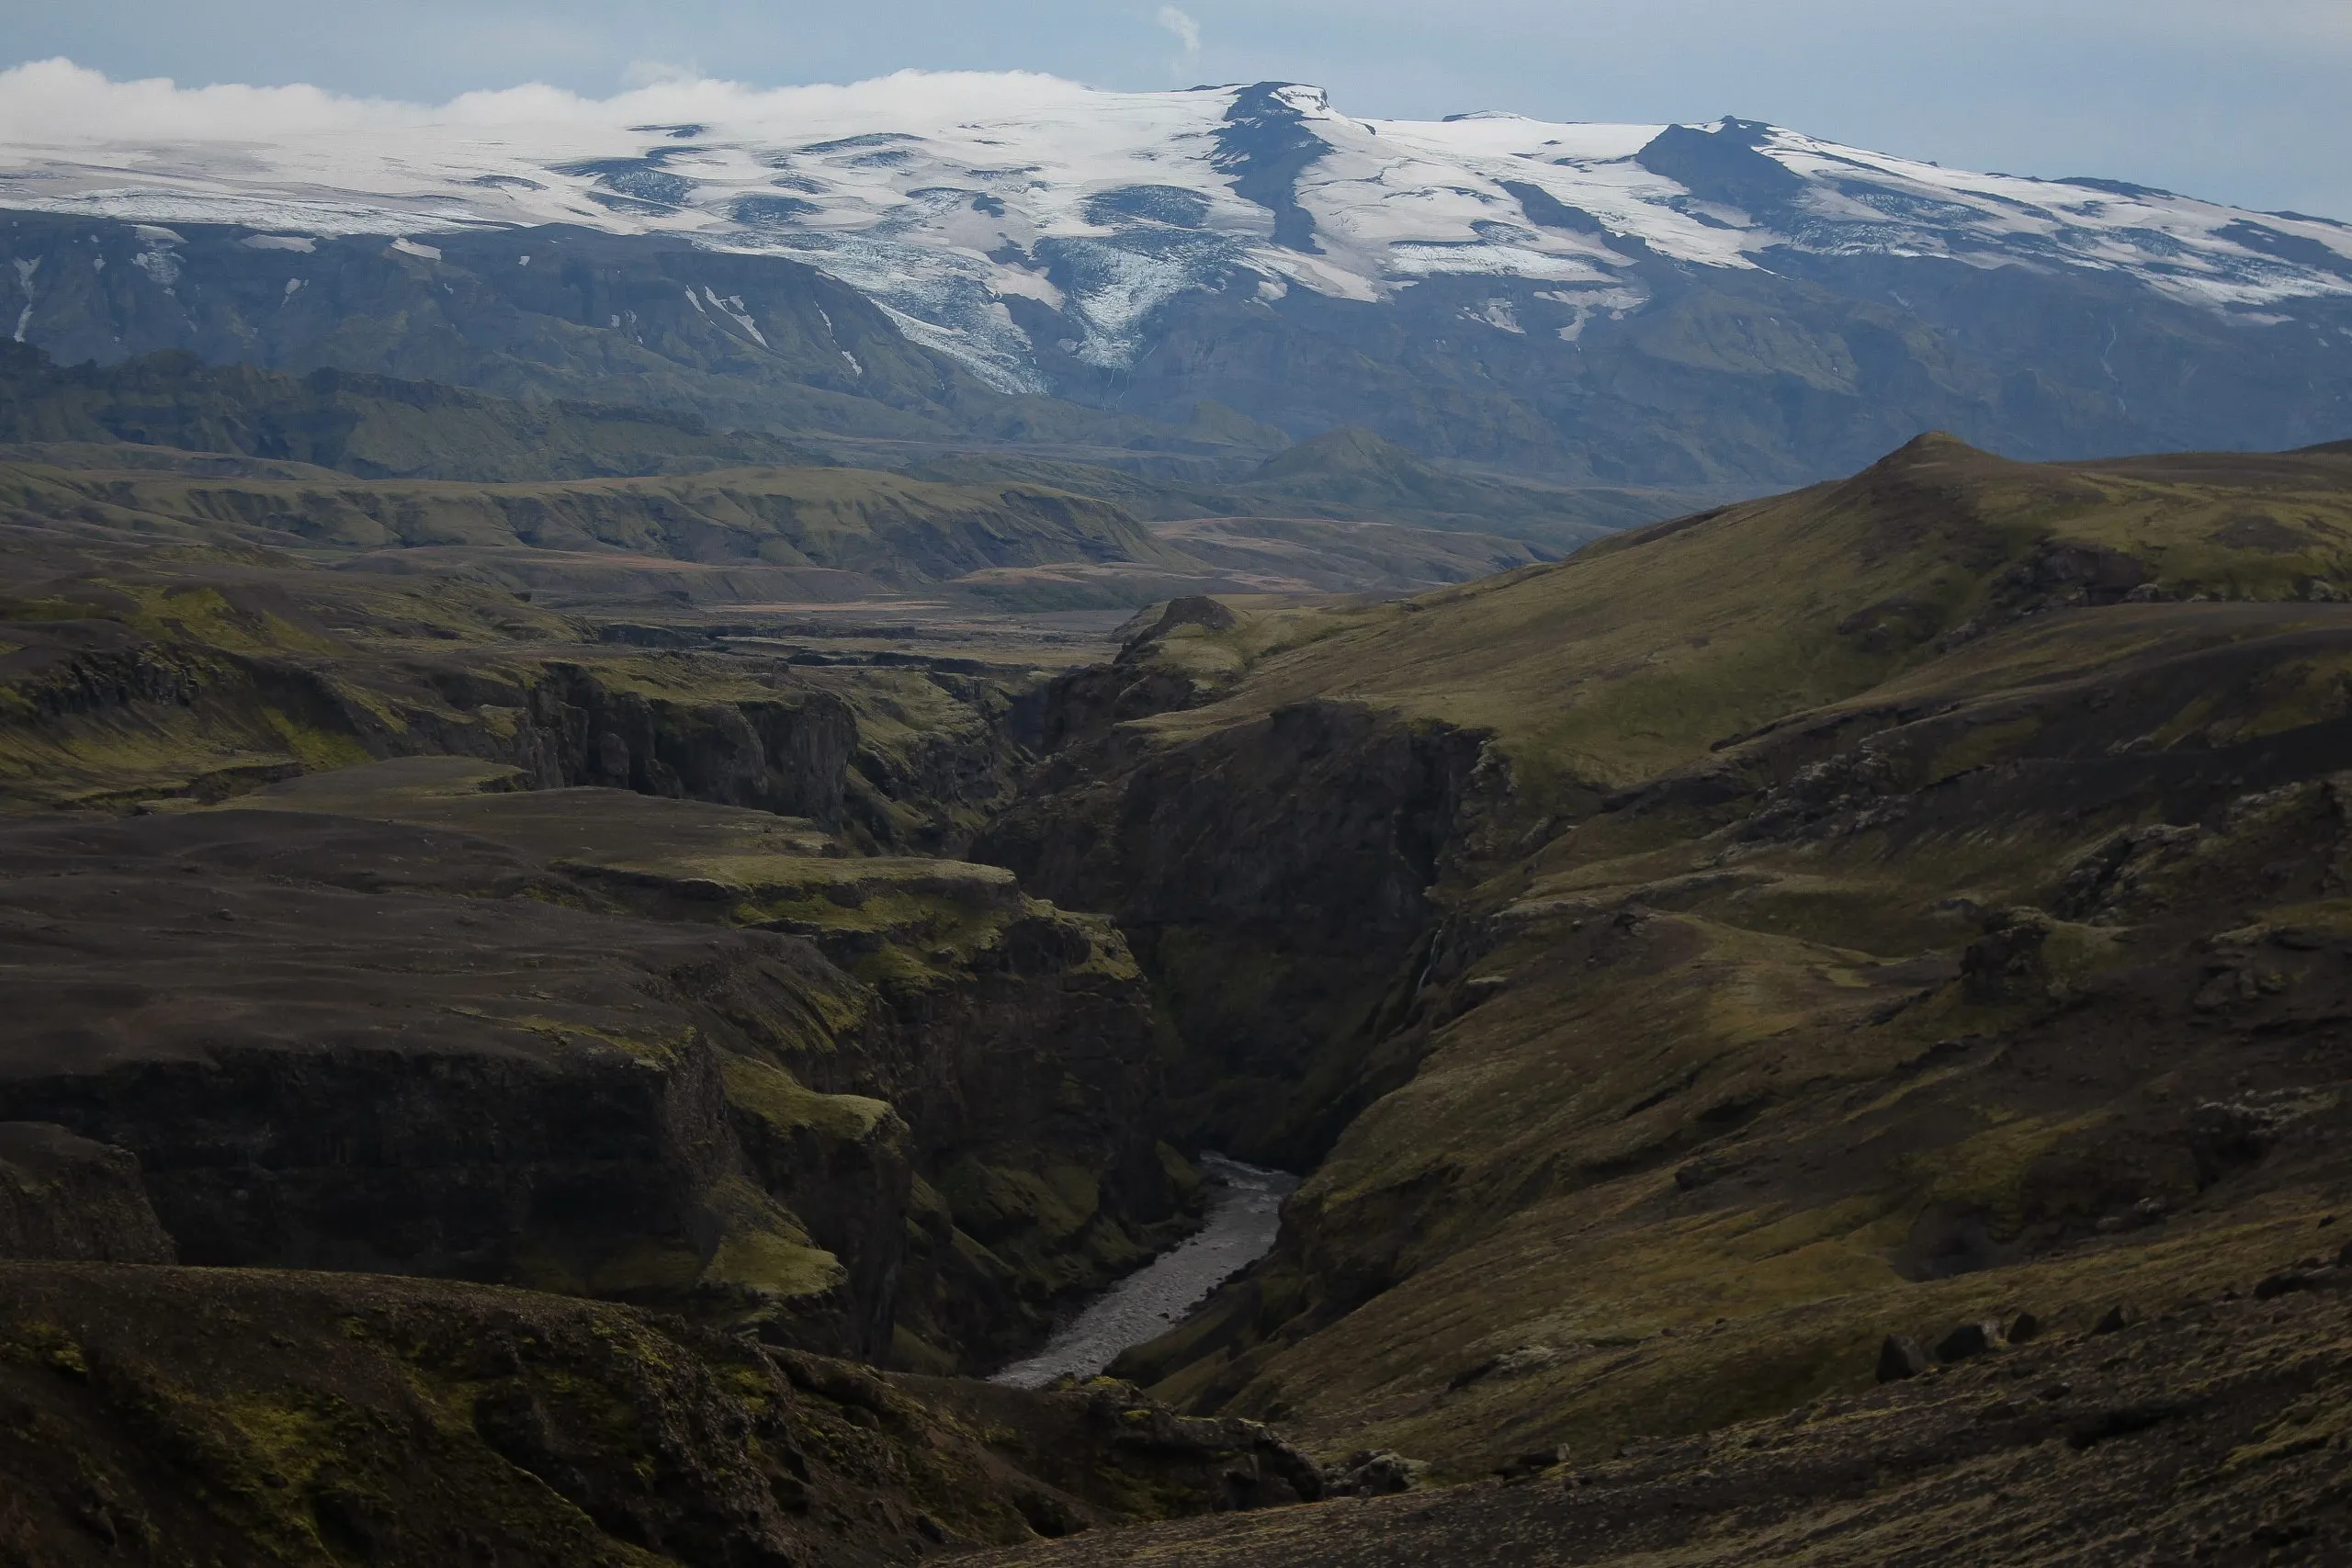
<point>1689,977</point>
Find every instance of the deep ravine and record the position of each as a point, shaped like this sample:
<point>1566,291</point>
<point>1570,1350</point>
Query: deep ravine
<point>1245,1216</point>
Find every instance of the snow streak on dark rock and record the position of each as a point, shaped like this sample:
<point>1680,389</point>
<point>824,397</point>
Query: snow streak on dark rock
<point>1263,147</point>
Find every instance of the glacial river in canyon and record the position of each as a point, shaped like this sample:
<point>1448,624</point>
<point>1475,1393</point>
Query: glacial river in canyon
<point>1244,1214</point>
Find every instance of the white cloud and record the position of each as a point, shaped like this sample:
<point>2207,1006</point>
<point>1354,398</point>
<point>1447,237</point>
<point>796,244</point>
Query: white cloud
<point>57,103</point>
<point>1186,31</point>
<point>658,73</point>
<point>56,100</point>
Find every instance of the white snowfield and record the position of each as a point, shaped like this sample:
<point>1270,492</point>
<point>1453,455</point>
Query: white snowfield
<point>944,195</point>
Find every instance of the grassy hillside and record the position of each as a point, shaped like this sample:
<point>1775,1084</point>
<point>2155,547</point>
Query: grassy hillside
<point>1642,650</point>
<point>1852,913</point>
<point>1345,514</point>
<point>1350,474</point>
<point>1350,471</point>
<point>747,536</point>
<point>883,529</point>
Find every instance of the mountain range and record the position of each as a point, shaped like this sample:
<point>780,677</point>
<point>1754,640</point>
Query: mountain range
<point>1014,259</point>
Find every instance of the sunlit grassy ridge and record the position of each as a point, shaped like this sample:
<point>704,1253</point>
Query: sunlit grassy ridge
<point>1641,651</point>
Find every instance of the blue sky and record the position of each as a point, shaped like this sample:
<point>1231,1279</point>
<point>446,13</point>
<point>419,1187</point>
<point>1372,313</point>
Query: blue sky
<point>2241,100</point>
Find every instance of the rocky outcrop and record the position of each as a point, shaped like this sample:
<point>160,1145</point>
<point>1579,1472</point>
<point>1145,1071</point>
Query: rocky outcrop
<point>1374,1473</point>
<point>1105,1443</point>
<point>64,1197</point>
<point>774,755</point>
<point>1009,1056</point>
<point>316,1077</point>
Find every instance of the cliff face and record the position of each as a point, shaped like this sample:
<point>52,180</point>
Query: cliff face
<point>1274,877</point>
<point>583,965</point>
<point>63,1197</point>
<point>479,1042</point>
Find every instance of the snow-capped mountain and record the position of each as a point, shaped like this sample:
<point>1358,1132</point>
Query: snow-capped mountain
<point>1730,305</point>
<point>948,197</point>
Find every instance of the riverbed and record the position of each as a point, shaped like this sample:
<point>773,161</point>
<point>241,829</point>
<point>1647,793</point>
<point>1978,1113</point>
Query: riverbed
<point>1244,1215</point>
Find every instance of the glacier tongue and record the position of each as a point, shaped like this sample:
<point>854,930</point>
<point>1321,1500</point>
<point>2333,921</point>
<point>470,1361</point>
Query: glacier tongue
<point>943,196</point>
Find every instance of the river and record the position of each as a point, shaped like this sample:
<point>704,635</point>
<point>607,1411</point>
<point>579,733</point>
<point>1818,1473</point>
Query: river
<point>1245,1213</point>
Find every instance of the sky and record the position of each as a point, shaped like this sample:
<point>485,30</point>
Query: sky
<point>2242,101</point>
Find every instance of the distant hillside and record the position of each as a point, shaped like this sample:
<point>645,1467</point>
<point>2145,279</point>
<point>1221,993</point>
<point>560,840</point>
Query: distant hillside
<point>1353,471</point>
<point>374,426</point>
<point>727,535</point>
<point>1350,474</point>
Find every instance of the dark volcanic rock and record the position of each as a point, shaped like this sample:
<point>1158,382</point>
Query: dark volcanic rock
<point>1899,1358</point>
<point>2288,1280</point>
<point>1273,877</point>
<point>317,1076</point>
<point>2006,964</point>
<point>791,758</point>
<point>1374,1473</point>
<point>64,1197</point>
<point>1968,1339</point>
